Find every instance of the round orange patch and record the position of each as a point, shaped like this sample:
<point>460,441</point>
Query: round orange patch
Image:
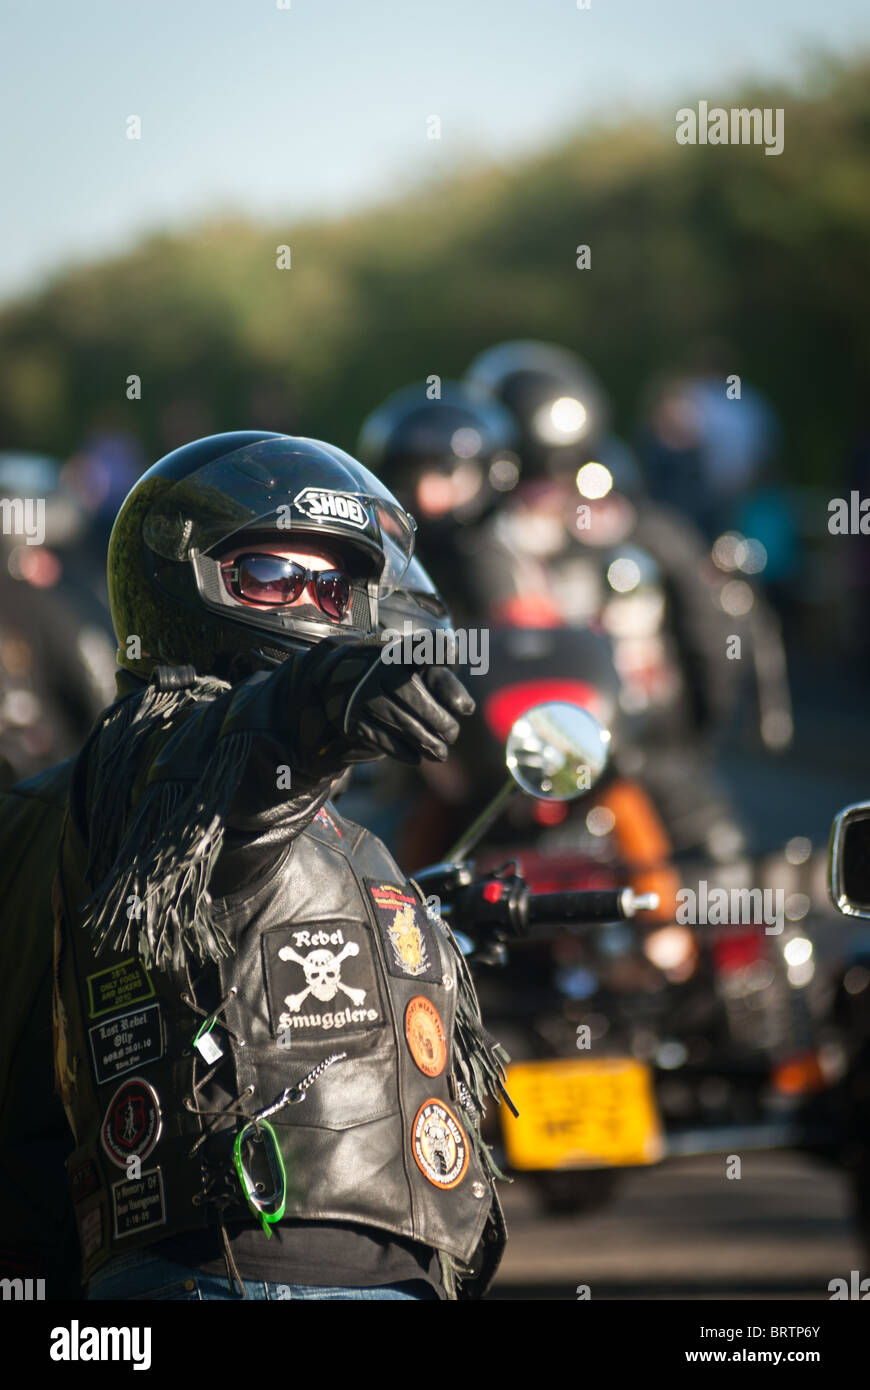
<point>425,1035</point>
<point>439,1143</point>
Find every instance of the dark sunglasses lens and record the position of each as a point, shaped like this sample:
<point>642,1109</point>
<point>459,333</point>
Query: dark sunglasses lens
<point>269,579</point>
<point>333,591</point>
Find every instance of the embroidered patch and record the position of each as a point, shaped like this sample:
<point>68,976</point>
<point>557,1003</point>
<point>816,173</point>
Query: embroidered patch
<point>124,1043</point>
<point>409,944</point>
<point>110,991</point>
<point>440,1145</point>
<point>425,1035</point>
<point>321,980</point>
<point>83,1180</point>
<point>91,1231</point>
<point>132,1123</point>
<point>138,1203</point>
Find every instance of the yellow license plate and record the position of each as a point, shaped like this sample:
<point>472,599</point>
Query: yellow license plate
<point>581,1114</point>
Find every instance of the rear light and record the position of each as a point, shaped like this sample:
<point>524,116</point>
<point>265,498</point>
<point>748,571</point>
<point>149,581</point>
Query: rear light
<point>528,610</point>
<point>503,708</point>
<point>799,1075</point>
<point>550,812</point>
<point>736,951</point>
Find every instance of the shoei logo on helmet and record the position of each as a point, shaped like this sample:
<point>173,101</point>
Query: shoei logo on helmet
<point>331,506</point>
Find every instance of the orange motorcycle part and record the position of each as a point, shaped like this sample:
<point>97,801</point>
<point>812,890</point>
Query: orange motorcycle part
<point>644,846</point>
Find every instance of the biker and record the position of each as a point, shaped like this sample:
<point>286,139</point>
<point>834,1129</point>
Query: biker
<point>538,553</point>
<point>55,659</point>
<point>240,937</point>
<point>451,460</point>
<point>581,521</point>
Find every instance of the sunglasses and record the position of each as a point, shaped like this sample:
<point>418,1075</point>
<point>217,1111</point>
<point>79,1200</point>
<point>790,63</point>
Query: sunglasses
<point>272,580</point>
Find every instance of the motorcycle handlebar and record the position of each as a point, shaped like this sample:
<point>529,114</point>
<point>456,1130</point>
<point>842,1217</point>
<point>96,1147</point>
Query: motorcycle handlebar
<point>508,905</point>
<point>608,905</point>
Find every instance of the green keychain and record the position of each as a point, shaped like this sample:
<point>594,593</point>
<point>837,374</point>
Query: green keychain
<point>270,1206</point>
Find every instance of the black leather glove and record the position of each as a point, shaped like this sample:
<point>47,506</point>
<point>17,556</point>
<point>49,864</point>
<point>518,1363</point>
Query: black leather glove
<point>407,712</point>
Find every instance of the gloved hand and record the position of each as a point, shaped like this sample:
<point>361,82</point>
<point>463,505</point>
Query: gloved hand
<point>405,711</point>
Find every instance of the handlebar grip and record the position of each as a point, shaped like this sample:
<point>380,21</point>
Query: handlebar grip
<point>605,905</point>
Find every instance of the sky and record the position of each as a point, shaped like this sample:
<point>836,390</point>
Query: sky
<point>276,108</point>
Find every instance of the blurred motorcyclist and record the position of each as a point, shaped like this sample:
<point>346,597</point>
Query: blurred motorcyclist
<point>710,443</point>
<point>56,660</point>
<point>453,458</point>
<point>567,538</point>
<point>673,615</point>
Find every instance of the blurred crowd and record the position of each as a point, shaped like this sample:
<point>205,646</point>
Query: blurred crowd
<point>520,458</point>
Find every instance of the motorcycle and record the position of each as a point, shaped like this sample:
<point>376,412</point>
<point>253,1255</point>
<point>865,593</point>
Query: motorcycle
<point>702,1038</point>
<point>573,1121</point>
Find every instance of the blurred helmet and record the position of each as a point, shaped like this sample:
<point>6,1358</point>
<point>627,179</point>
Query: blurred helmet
<point>448,460</point>
<point>167,585</point>
<point>559,404</point>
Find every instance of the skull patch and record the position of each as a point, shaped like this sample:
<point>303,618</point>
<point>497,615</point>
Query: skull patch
<point>321,979</point>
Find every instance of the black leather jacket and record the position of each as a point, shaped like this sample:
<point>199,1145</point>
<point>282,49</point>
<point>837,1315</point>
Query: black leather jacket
<point>328,949</point>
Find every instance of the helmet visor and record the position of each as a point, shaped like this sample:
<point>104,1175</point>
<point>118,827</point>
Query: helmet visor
<point>284,485</point>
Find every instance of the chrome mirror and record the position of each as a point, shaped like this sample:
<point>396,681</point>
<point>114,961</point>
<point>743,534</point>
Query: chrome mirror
<point>557,751</point>
<point>849,861</point>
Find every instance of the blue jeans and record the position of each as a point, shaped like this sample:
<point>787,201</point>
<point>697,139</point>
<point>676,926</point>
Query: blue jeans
<point>140,1276</point>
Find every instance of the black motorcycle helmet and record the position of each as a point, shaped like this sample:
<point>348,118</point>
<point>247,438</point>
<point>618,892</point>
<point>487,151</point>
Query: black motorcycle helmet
<point>448,460</point>
<point>213,496</point>
<point>557,401</point>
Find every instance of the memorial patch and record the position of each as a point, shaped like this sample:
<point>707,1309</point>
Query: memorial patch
<point>125,1043</point>
<point>138,1204</point>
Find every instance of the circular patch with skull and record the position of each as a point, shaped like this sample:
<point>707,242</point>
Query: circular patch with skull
<point>440,1145</point>
<point>425,1035</point>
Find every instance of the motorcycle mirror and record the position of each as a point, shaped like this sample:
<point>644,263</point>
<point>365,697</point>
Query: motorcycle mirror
<point>849,861</point>
<point>557,751</point>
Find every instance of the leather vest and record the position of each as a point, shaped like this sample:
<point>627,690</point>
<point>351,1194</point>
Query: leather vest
<point>333,953</point>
